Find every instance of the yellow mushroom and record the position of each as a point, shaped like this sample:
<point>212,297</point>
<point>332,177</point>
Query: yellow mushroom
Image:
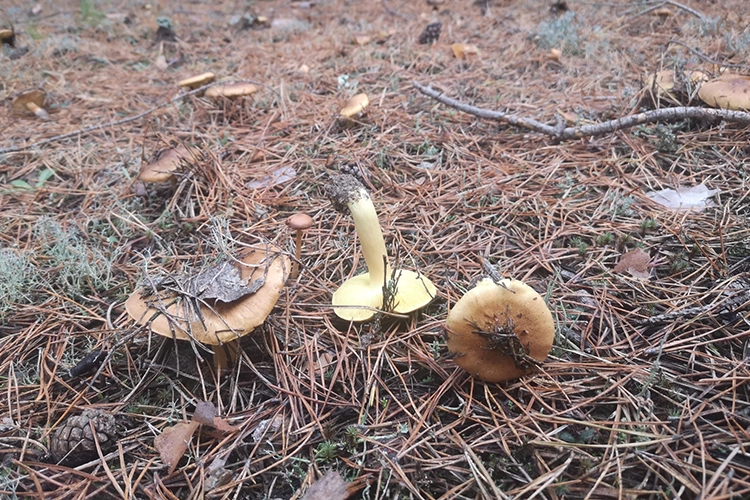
<point>359,298</point>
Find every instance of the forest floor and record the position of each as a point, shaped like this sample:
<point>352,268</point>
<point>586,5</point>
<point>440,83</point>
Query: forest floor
<point>645,392</point>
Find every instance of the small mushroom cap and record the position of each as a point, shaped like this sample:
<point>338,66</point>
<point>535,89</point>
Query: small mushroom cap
<point>413,292</point>
<point>223,321</point>
<point>165,162</point>
<point>7,36</point>
<point>510,307</point>
<point>197,81</point>
<point>729,91</point>
<point>230,90</point>
<point>35,96</point>
<point>299,221</point>
<point>355,105</point>
<point>464,50</point>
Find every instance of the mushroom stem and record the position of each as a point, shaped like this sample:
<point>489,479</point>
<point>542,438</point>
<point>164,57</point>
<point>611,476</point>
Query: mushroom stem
<point>370,235</point>
<point>39,112</point>
<point>297,254</point>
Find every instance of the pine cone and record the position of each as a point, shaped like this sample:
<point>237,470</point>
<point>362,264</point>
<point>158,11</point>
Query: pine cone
<point>430,34</point>
<point>73,441</point>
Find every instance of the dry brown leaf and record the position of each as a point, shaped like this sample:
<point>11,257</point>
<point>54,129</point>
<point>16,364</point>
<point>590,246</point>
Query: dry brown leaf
<point>278,175</point>
<point>267,427</point>
<point>173,442</point>
<point>205,412</point>
<point>636,262</point>
<point>222,425</point>
<point>329,487</point>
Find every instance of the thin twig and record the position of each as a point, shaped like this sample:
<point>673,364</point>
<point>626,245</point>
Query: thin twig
<point>705,57</point>
<point>566,133</point>
<point>659,6</point>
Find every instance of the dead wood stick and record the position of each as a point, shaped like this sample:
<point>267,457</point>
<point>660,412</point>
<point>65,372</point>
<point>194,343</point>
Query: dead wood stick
<point>673,4</point>
<point>562,133</point>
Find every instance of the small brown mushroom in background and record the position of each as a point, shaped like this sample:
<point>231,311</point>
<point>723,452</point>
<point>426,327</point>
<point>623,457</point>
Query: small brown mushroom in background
<point>355,105</point>
<point>729,91</point>
<point>31,102</point>
<point>197,81</point>
<point>298,222</point>
<point>165,162</point>
<point>499,331</point>
<point>7,37</point>
<point>231,90</point>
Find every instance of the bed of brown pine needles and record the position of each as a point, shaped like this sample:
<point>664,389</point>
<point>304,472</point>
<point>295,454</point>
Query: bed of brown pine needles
<point>645,392</point>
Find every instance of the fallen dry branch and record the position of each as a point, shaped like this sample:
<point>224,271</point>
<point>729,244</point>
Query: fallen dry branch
<point>562,133</point>
<point>662,4</point>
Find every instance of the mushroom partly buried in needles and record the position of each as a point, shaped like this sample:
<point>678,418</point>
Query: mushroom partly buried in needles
<point>165,162</point>
<point>216,306</point>
<point>299,223</point>
<point>359,297</point>
<point>500,330</point>
<point>355,105</point>
<point>31,101</point>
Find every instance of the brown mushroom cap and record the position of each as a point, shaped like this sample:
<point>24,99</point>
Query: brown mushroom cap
<point>299,221</point>
<point>7,36</point>
<point>729,91</point>
<point>663,82</point>
<point>231,90</point>
<point>494,326</point>
<point>355,105</point>
<point>222,322</point>
<point>197,81</point>
<point>165,162</point>
<point>30,102</point>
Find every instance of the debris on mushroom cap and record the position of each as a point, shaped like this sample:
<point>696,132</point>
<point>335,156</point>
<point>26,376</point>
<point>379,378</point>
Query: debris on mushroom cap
<point>355,105</point>
<point>359,298</point>
<point>263,270</point>
<point>31,101</point>
<point>664,80</point>
<point>500,331</point>
<point>674,86</point>
<point>729,91</point>
<point>165,162</point>
<point>230,90</point>
<point>299,221</point>
<point>197,81</point>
